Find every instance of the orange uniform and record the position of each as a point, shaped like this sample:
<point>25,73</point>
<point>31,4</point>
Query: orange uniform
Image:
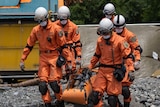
<point>49,39</point>
<point>73,39</point>
<point>133,41</point>
<point>120,28</point>
<point>110,54</point>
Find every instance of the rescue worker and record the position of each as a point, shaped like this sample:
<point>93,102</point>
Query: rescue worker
<point>109,11</point>
<point>109,53</point>
<point>120,28</point>
<point>72,36</point>
<point>50,39</point>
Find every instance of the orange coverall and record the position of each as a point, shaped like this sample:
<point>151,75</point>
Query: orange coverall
<point>73,39</point>
<point>109,55</point>
<point>49,39</point>
<point>133,41</point>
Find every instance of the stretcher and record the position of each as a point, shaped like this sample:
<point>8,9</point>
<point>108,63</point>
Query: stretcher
<point>79,87</point>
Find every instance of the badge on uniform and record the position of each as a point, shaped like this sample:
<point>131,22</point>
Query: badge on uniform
<point>133,39</point>
<point>125,44</point>
<point>60,33</point>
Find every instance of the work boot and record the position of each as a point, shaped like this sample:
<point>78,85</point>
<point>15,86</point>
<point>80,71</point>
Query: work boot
<point>126,104</point>
<point>48,105</point>
<point>60,104</point>
<point>90,103</point>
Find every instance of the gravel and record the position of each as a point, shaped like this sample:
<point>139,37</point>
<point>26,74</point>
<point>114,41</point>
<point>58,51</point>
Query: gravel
<point>20,97</point>
<point>145,92</point>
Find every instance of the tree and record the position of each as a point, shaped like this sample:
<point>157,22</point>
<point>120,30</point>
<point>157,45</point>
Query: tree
<point>87,12</point>
<point>135,11</point>
<point>151,11</point>
<point>131,9</point>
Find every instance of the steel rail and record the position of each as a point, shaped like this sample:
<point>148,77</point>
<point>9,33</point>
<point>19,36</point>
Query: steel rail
<point>17,76</point>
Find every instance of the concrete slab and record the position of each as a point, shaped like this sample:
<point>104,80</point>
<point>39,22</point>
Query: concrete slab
<point>156,73</point>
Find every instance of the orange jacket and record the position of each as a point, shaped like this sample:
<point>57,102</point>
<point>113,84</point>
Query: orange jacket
<point>50,38</point>
<point>133,41</point>
<point>111,54</point>
<point>72,35</point>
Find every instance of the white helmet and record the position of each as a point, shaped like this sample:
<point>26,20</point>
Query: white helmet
<point>109,9</point>
<point>41,14</point>
<point>105,26</point>
<point>119,21</point>
<point>63,12</point>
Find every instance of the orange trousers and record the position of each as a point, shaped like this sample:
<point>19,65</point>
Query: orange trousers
<point>49,72</point>
<point>126,82</point>
<point>106,82</point>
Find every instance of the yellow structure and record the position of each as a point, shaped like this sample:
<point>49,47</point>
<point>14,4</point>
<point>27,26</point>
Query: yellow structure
<point>16,23</point>
<point>13,40</point>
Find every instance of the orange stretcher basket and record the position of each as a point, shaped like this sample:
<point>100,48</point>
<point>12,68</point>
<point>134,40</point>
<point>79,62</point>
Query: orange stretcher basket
<point>79,95</point>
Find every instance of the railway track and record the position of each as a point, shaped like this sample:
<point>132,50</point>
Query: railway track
<point>16,76</point>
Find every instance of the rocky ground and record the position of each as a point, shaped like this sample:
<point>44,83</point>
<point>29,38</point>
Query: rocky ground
<point>145,90</point>
<point>145,93</point>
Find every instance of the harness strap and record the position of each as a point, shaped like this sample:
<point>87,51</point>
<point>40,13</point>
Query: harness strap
<point>111,66</point>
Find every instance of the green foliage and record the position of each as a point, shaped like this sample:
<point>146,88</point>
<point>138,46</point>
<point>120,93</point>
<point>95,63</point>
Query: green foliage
<point>88,12</point>
<point>135,11</point>
<point>131,9</point>
<point>151,11</point>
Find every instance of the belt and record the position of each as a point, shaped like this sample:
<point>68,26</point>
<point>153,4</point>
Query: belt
<point>70,45</point>
<point>111,66</point>
<point>47,51</point>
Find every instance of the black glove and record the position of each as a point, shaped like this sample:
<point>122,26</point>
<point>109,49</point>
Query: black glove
<point>119,74</point>
<point>131,76</point>
<point>87,71</point>
<point>60,61</point>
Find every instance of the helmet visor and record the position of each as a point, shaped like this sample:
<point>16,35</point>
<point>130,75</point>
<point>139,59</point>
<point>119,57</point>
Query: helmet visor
<point>63,17</point>
<point>39,20</point>
<point>106,12</point>
<point>103,31</point>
